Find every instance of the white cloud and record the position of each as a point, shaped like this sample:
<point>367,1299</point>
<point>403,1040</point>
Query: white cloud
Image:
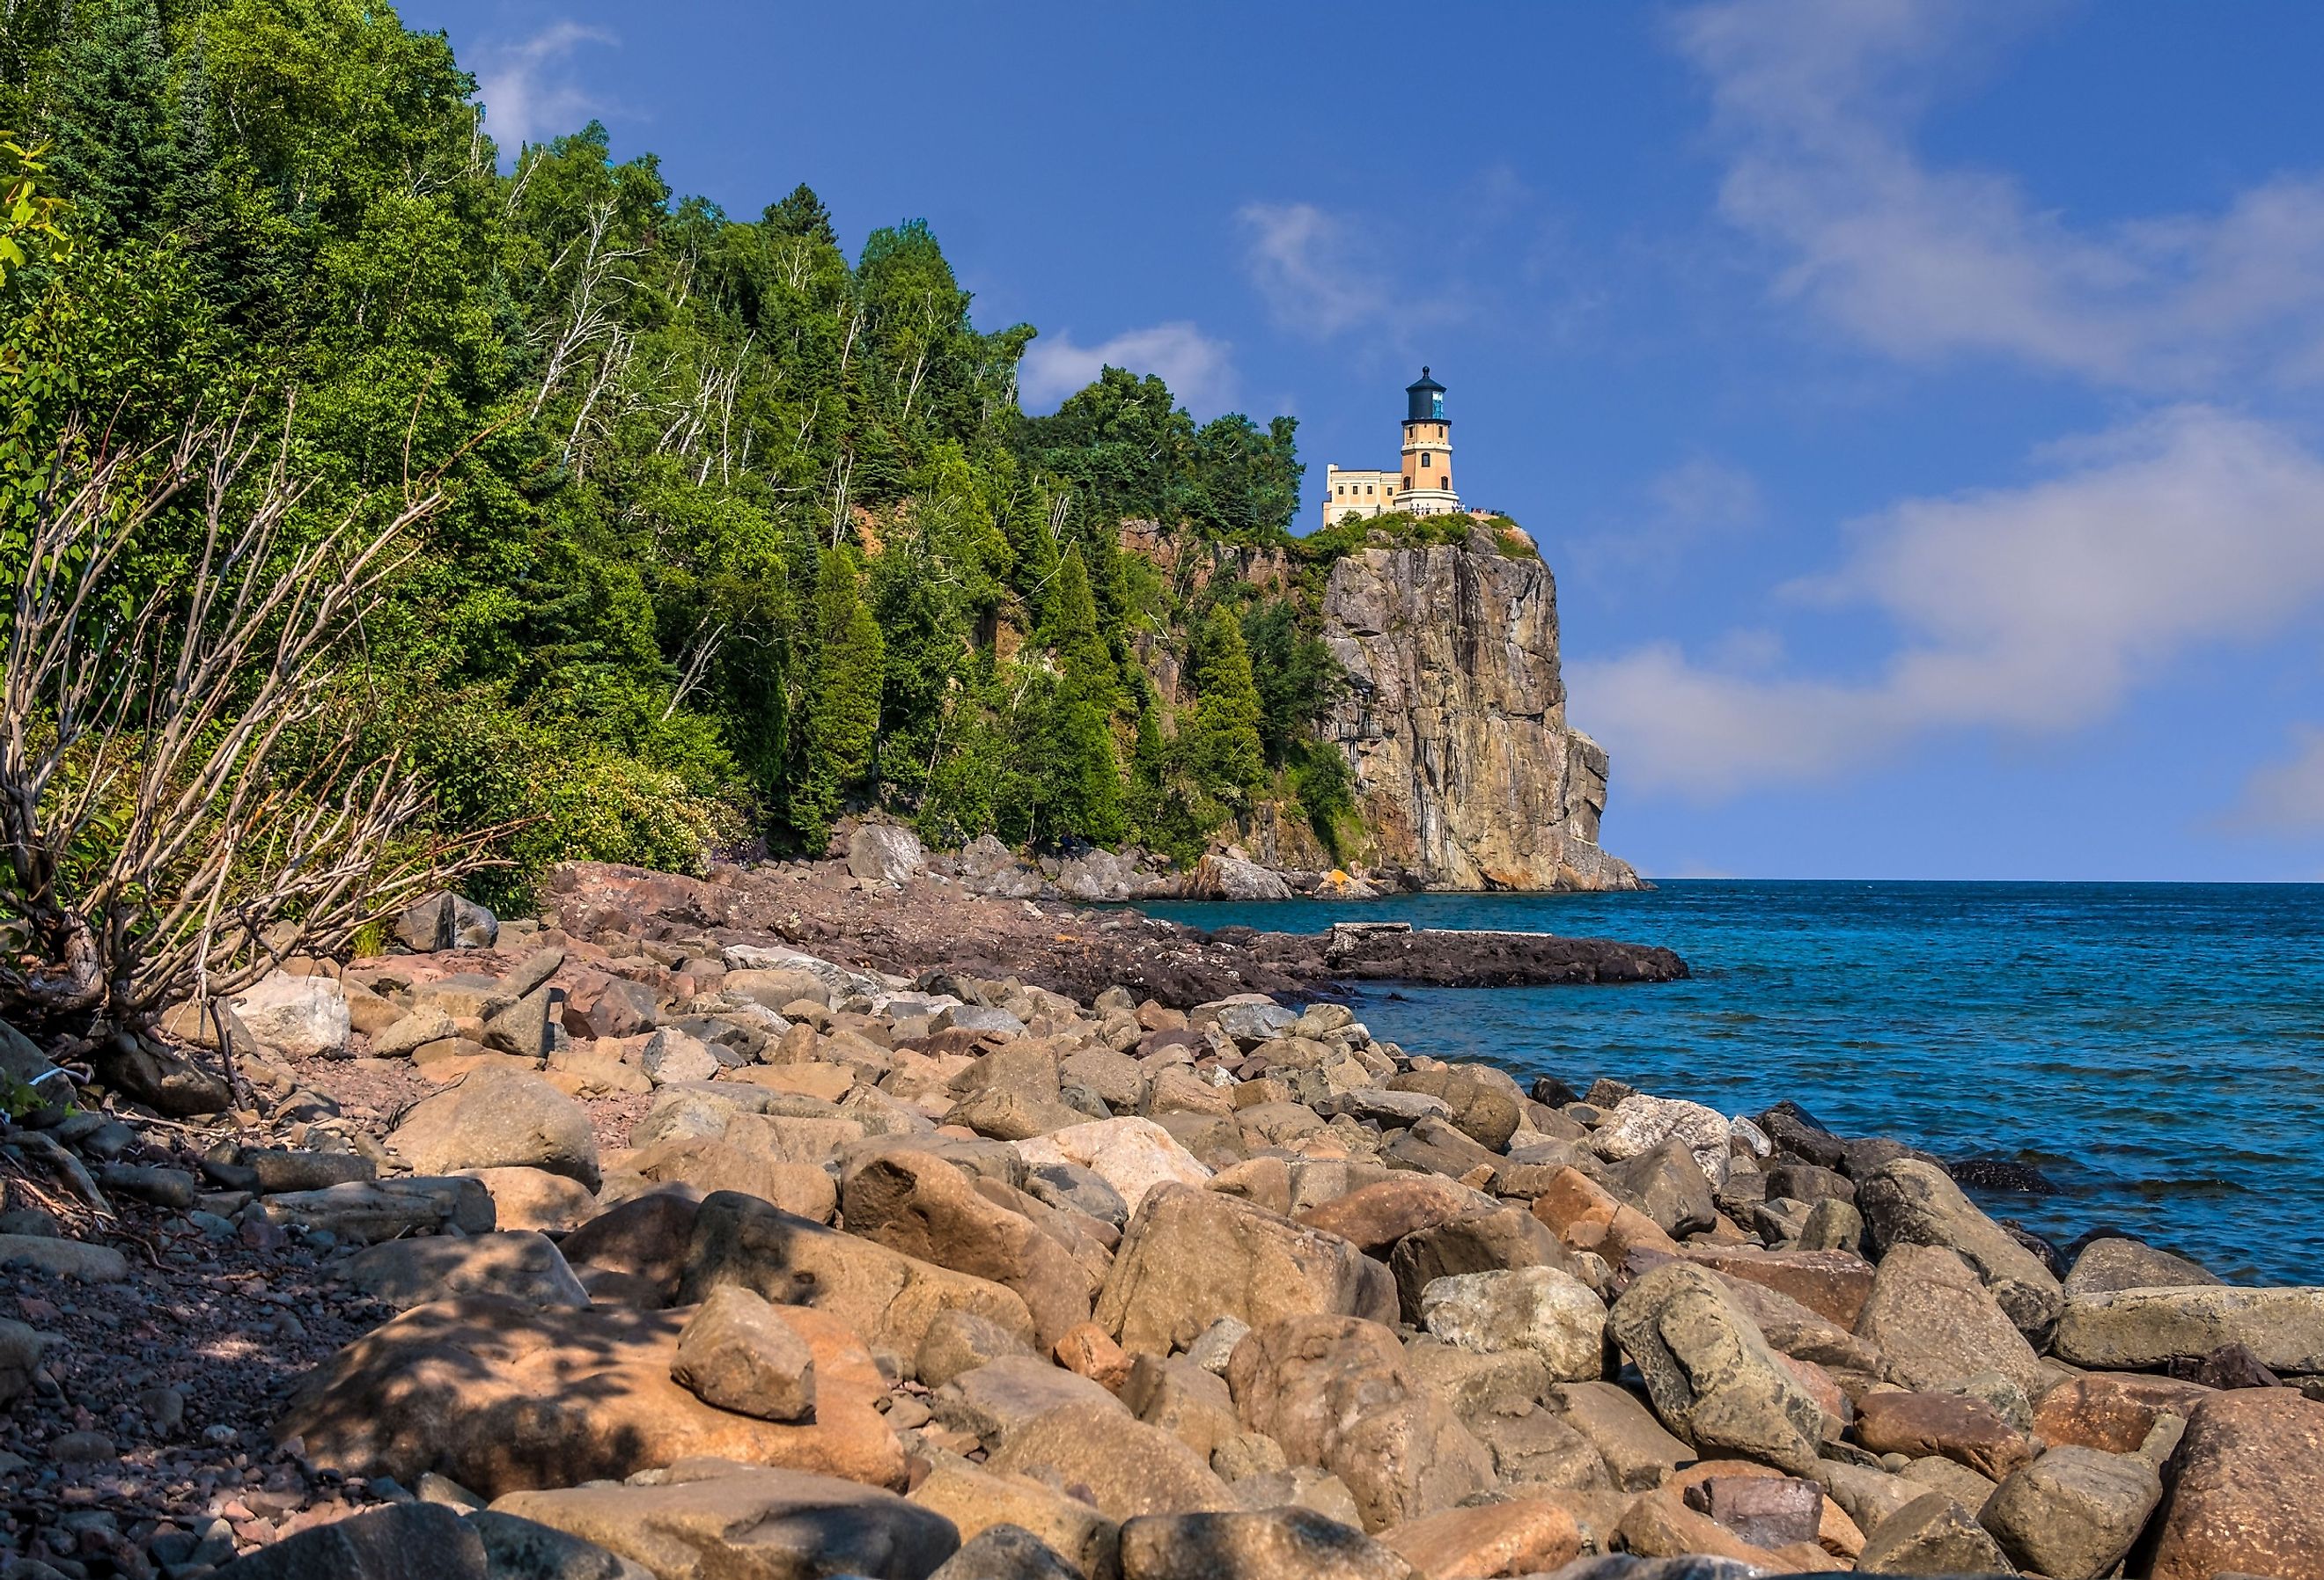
<point>1199,370</point>
<point>1813,101</point>
<point>2288,795</point>
<point>527,93</point>
<point>2033,608</point>
<point>1315,270</point>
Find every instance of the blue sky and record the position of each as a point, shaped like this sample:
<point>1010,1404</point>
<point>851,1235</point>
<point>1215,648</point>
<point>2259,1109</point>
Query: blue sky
<point>1921,402</point>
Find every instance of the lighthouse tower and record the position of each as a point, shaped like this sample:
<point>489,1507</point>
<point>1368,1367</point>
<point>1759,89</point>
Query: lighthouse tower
<point>1427,488</point>
<point>1423,487</point>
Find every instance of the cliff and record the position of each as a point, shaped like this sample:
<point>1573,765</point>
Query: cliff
<point>1466,771</point>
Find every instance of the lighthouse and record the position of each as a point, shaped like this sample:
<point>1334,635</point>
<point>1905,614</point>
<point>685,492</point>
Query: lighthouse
<point>1423,486</point>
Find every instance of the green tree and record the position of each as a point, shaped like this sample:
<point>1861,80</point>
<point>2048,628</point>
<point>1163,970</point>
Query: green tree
<point>1085,777</point>
<point>1220,739</point>
<point>839,716</point>
<point>801,213</point>
<point>115,151</point>
<point>1296,676</point>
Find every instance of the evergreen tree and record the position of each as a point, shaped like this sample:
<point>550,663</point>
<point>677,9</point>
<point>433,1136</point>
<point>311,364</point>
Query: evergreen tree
<point>1219,740</point>
<point>1086,794</point>
<point>114,155</point>
<point>801,213</point>
<point>839,717</point>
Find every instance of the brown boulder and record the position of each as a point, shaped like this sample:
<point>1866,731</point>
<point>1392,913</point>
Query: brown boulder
<point>886,1298</point>
<point>1335,1392</point>
<point>2248,1498</point>
<point>735,1351</point>
<point>1833,1284</point>
<point>1968,1431</point>
<point>1268,1544</point>
<point>1190,1257</point>
<point>714,1520</point>
<point>1101,1454</point>
<point>1526,1536</point>
<point>917,1203</point>
<point>975,1498</point>
<point>499,1396</point>
<point>1378,1216</point>
<point>644,1238</point>
<point>713,1163</point>
<point>2112,1410</point>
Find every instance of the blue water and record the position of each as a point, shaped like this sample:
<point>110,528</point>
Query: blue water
<point>2156,1049</point>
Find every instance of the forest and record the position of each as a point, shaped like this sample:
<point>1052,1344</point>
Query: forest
<point>725,534</point>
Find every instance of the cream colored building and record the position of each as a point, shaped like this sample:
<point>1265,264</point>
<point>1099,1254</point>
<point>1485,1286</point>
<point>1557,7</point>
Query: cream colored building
<point>1425,484</point>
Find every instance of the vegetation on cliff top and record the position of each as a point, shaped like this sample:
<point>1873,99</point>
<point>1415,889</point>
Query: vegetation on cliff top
<point>738,533</point>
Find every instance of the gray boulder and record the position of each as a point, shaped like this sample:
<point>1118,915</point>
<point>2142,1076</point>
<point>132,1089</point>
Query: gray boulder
<point>2132,1330</point>
<point>2114,1263</point>
<point>498,1119</point>
<point>1907,1202</point>
<point>884,853</point>
<point>2073,1513</point>
<point>522,1266</point>
<point>1711,1375</point>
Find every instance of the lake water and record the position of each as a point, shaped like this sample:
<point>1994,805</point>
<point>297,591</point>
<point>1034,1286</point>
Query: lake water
<point>2156,1049</point>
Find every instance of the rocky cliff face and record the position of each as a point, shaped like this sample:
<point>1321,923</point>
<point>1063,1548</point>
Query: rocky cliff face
<point>1466,771</point>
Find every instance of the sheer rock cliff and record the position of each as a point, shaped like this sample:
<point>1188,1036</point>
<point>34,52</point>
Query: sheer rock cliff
<point>1467,772</point>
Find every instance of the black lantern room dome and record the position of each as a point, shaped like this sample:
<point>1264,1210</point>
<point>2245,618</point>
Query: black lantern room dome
<point>1424,399</point>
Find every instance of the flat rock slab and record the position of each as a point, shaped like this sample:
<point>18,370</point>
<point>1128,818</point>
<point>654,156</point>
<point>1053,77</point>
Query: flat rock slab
<point>70,1259</point>
<point>523,1266</point>
<point>712,1521</point>
<point>2132,1330</point>
<point>501,1397</point>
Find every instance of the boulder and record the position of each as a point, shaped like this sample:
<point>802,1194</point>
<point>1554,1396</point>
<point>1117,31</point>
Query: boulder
<point>1935,1321</point>
<point>2114,1262</point>
<point>1833,1284</point>
<point>992,1400</point>
<point>714,1520</point>
<point>1640,1123</point>
<point>737,1353</point>
<point>2247,1490</point>
<point>281,1169</point>
<point>917,1203</point>
<point>1479,1106</point>
<point>1503,1238</point>
<point>1375,1216</point>
<point>1007,1552</point>
<point>306,1016</point>
<point>671,1055</point>
<point>165,1081</point>
<point>525,1549</point>
<point>497,1119</point>
<point>1908,1202</point>
<point>886,1298</point>
<point>500,1396</point>
<point>1711,1375</point>
<point>1335,1392</point>
<point>2128,1330</point>
<point>521,1266</point>
<point>708,1165</point>
<point>366,1211</point>
<point>645,1238</point>
<point>1539,1309</point>
<point>957,1342</point>
<point>1669,1186</point>
<point>1269,1544</point>
<point>1638,1453</point>
<point>1585,1215</point>
<point>527,1028</point>
<point>409,1541</point>
<point>1525,1536</point>
<point>2112,1411</point>
<point>976,1499</point>
<point>2073,1513</point>
<point>1131,1155</point>
<point>1931,1535</point>
<point>884,853</point>
<point>534,1198</point>
<point>1184,1400</point>
<point>1099,1453</point>
<point>1192,1256</point>
<point>1968,1431</point>
<point>1226,877</point>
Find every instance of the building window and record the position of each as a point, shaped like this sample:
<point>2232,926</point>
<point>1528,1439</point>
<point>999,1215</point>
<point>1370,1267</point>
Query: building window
<point>1423,460</point>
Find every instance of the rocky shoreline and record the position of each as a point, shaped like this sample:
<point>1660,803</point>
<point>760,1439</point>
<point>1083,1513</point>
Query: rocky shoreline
<point>674,1235</point>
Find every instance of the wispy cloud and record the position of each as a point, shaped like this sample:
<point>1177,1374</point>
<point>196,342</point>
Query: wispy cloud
<point>1317,272</point>
<point>1815,102</point>
<point>2286,796</point>
<point>1199,369</point>
<point>527,88</point>
<point>2033,608</point>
